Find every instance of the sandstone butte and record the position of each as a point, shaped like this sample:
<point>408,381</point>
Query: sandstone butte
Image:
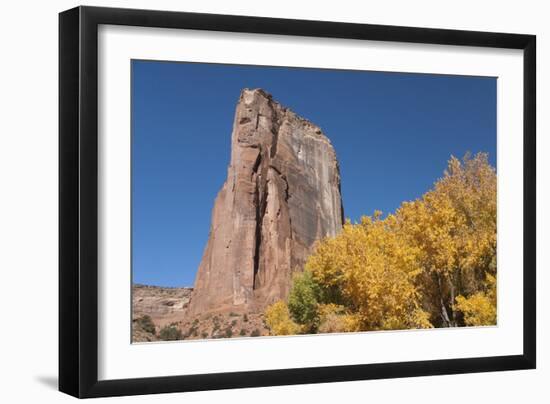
<point>282,193</point>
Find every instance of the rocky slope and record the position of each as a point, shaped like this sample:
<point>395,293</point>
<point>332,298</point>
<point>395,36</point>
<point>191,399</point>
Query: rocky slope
<point>155,308</point>
<point>162,305</point>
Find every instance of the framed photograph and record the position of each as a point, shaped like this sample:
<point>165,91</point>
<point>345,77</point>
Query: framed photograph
<point>249,201</point>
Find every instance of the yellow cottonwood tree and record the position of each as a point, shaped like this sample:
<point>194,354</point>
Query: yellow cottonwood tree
<point>454,227</point>
<point>373,267</point>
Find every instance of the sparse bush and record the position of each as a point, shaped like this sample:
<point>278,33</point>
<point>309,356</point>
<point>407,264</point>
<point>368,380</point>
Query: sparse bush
<point>192,332</point>
<point>204,335</point>
<point>146,323</point>
<point>233,323</point>
<point>332,318</point>
<point>233,314</point>
<point>228,332</point>
<point>255,333</point>
<point>170,333</point>
<point>245,318</point>
<point>243,332</point>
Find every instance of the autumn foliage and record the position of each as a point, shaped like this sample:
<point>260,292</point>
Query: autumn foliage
<point>432,263</point>
<point>277,318</point>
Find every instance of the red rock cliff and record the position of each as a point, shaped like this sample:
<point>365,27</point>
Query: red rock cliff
<point>282,193</point>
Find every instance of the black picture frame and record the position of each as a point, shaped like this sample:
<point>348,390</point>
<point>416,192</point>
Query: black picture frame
<point>78,201</point>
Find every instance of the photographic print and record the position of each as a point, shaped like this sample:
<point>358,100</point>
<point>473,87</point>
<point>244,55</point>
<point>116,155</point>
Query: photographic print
<point>273,201</point>
<point>235,187</point>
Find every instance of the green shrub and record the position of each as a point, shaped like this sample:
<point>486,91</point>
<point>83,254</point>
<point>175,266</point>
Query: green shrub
<point>233,314</point>
<point>303,300</point>
<point>255,333</point>
<point>243,332</point>
<point>170,333</point>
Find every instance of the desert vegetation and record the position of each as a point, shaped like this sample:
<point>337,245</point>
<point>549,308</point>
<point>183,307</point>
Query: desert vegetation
<point>432,263</point>
<point>170,333</point>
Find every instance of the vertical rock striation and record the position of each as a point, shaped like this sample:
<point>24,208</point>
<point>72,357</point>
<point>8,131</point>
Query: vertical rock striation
<point>282,193</point>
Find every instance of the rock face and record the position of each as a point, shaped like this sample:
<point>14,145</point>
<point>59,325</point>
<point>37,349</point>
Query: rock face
<point>282,193</point>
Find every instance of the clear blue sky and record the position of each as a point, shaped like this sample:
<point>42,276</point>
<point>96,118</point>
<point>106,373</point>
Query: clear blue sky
<point>393,134</point>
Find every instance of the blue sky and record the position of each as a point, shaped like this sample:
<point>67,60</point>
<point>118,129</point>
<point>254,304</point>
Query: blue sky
<point>393,134</point>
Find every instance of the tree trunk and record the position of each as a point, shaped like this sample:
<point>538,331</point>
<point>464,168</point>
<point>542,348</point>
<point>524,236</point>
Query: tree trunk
<point>444,314</point>
<point>452,289</point>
